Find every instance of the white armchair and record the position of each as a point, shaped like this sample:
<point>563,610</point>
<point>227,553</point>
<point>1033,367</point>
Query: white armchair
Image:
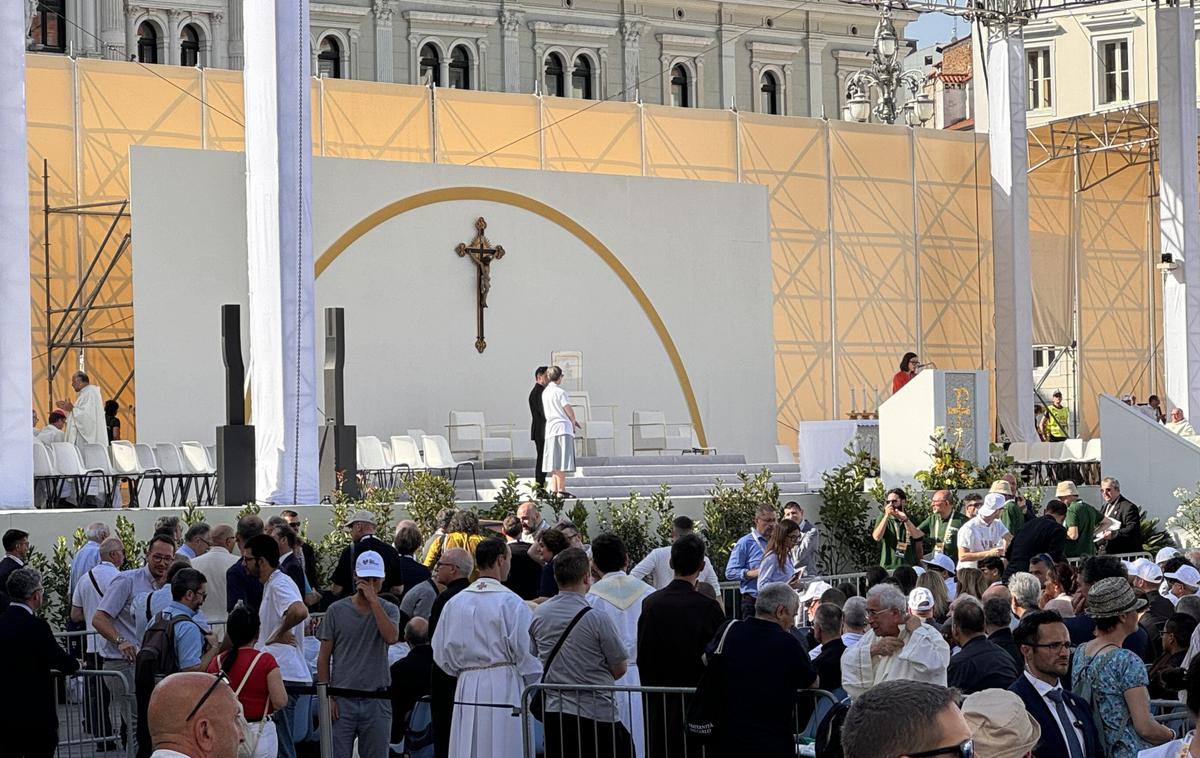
<point>469,433</point>
<point>596,422</point>
<point>651,432</point>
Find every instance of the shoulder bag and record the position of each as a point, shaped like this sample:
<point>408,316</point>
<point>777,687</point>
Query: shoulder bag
<point>537,704</point>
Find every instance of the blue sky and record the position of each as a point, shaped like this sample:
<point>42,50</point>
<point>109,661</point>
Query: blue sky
<point>934,28</point>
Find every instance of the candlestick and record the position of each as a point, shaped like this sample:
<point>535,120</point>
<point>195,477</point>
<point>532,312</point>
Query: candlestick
<point>853,402</point>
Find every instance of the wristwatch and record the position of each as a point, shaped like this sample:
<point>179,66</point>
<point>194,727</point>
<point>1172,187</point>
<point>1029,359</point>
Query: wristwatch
<point>121,641</point>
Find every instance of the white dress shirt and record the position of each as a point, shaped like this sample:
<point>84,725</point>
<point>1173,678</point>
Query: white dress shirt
<point>657,566</point>
<point>1042,689</point>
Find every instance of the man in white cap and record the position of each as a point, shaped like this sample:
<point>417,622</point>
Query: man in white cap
<point>1080,522</point>
<point>941,564</point>
<point>983,535</point>
<point>920,604</point>
<point>810,598</point>
<point>362,538</point>
<point>1145,575</point>
<point>1184,581</point>
<point>355,634</point>
<point>483,639</point>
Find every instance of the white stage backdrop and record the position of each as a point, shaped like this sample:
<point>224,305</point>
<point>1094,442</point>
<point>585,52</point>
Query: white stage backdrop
<point>694,255</point>
<point>16,390</point>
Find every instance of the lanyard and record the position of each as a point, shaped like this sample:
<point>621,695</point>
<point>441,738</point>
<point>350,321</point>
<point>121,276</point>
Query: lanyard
<point>1187,744</point>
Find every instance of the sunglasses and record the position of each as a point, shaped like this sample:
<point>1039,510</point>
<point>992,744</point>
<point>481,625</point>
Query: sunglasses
<point>220,677</point>
<point>964,750</point>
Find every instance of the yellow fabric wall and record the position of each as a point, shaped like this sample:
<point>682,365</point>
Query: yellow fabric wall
<point>880,236</point>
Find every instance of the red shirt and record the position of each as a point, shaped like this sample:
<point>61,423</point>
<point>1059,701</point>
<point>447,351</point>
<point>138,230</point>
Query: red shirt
<point>899,380</point>
<point>255,695</point>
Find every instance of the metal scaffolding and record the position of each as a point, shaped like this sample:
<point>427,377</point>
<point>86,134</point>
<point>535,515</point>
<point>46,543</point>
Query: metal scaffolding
<point>67,328</point>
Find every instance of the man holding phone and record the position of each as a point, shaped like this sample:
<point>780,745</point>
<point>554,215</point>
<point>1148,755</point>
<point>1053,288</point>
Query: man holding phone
<point>900,539</point>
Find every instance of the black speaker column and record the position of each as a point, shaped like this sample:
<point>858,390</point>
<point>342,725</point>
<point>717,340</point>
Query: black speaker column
<point>339,453</point>
<point>235,440</point>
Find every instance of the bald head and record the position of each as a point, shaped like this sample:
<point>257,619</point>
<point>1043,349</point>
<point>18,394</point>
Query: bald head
<point>113,551</point>
<point>416,632</point>
<point>210,732</point>
<point>460,560</point>
<point>222,535</point>
<point>997,590</point>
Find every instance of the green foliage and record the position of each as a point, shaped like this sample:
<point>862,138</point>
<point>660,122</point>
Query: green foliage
<point>948,469</point>
<point>56,579</point>
<point>578,515</point>
<point>729,512</point>
<point>428,494</point>
<point>1154,537</point>
<point>249,509</point>
<point>1187,515</point>
<point>846,543</point>
<point>999,463</point>
<point>192,515</point>
<point>664,508</point>
<point>552,502</point>
<point>508,497</point>
<point>629,521</point>
<point>135,549</point>
<point>78,538</point>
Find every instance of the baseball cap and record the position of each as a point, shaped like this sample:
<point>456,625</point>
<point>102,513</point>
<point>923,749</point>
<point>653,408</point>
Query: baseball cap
<point>942,561</point>
<point>361,516</point>
<point>920,599</point>
<point>1186,574</point>
<point>814,591</point>
<point>1144,568</point>
<point>992,503</point>
<point>369,565</point>
<point>1165,554</point>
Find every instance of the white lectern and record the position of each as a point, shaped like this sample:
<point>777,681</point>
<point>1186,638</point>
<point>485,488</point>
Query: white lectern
<point>956,401</point>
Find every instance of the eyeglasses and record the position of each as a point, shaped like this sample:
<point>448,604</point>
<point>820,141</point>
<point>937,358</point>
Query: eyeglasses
<point>294,524</point>
<point>893,500</point>
<point>871,613</point>
<point>159,558</point>
<point>966,749</point>
<point>1053,646</point>
<point>220,677</point>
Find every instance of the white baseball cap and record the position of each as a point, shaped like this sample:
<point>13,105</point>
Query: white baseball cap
<point>1165,554</point>
<point>992,503</point>
<point>1186,574</point>
<point>814,591</point>
<point>920,599</point>
<point>1144,568</point>
<point>369,565</point>
<point>942,561</point>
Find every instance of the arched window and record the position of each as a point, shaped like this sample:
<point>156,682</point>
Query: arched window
<point>329,59</point>
<point>189,46</point>
<point>460,68</point>
<point>48,24</point>
<point>581,78</point>
<point>431,65</point>
<point>555,74</point>
<point>147,44</point>
<point>769,94</point>
<point>679,87</point>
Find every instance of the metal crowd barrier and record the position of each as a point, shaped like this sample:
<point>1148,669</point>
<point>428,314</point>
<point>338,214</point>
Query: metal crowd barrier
<point>89,721</point>
<point>650,721</point>
<point>1173,713</point>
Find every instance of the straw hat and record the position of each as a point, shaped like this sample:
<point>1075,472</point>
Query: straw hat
<point>1066,488</point>
<point>1112,597</point>
<point>1002,486</point>
<point>1000,725</point>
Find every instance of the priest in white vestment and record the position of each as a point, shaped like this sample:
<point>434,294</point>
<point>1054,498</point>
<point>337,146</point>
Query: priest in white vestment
<point>85,418</point>
<point>619,596</point>
<point>482,637</point>
<point>899,646</point>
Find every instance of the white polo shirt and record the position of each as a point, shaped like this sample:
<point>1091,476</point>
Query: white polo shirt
<point>975,536</point>
<point>87,596</point>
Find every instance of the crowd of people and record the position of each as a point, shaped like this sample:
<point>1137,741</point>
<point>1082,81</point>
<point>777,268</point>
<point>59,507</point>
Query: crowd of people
<point>974,630</point>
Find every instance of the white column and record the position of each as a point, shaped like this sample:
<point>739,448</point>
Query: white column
<point>90,29</point>
<point>16,369</point>
<point>510,26</point>
<point>1178,201</point>
<point>349,70</point>
<point>220,44</point>
<point>631,34</point>
<point>173,19</point>
<point>279,246</point>
<point>816,75</point>
<point>1010,234</point>
<point>384,63</point>
<point>131,36</point>
<point>112,30</point>
<point>236,37</point>
<point>728,39</point>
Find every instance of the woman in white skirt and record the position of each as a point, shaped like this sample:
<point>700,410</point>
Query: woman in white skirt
<point>255,678</point>
<point>559,457</point>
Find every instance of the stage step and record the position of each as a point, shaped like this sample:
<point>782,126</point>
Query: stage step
<point>630,460</point>
<point>725,471</point>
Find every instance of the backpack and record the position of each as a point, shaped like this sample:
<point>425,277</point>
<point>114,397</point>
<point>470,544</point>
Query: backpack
<point>156,659</point>
<point>829,732</point>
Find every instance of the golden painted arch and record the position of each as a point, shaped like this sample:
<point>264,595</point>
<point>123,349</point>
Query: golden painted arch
<point>505,197</point>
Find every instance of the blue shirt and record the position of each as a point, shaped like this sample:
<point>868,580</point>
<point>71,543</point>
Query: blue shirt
<point>747,555</point>
<point>189,642</point>
<point>186,551</point>
<point>84,561</point>
<point>771,571</point>
<point>160,601</point>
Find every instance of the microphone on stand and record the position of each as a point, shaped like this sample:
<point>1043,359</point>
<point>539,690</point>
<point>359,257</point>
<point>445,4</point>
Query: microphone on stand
<point>931,364</point>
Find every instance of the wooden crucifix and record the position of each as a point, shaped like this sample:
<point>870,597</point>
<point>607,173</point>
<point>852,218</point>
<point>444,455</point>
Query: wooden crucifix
<point>482,254</point>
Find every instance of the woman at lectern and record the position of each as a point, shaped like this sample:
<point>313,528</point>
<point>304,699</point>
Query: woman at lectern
<point>908,369</point>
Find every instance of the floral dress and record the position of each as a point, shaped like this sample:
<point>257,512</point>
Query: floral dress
<point>1106,676</point>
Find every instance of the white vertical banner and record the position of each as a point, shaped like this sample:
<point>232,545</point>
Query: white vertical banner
<point>1009,153</point>
<point>16,369</point>
<point>1179,204</point>
<point>279,245</point>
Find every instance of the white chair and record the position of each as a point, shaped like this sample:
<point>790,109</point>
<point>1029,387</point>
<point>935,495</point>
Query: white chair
<point>211,452</point>
<point>406,452</point>
<point>151,470</point>
<point>373,465</point>
<point>469,433</point>
<point>95,456</point>
<point>46,484</point>
<point>195,463</point>
<point>651,432</point>
<point>170,461</point>
<point>416,434</point>
<point>592,429</point>
<point>68,464</point>
<point>1070,460</point>
<point>125,465</point>
<point>438,456</point>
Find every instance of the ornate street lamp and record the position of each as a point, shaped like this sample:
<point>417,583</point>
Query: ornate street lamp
<point>886,76</point>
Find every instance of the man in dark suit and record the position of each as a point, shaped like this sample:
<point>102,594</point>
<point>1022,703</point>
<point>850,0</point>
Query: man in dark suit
<point>16,552</point>
<point>676,625</point>
<point>827,629</point>
<point>1068,730</point>
<point>1128,537</point>
<point>363,538</point>
<point>310,556</point>
<point>28,653</point>
<point>980,664</point>
<point>1041,535</point>
<point>997,615</point>
<point>410,675</point>
<point>408,542</point>
<point>537,427</point>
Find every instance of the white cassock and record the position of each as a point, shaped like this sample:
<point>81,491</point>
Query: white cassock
<point>619,596</point>
<point>85,424</point>
<point>482,638</point>
<point>924,658</point>
<point>48,435</point>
